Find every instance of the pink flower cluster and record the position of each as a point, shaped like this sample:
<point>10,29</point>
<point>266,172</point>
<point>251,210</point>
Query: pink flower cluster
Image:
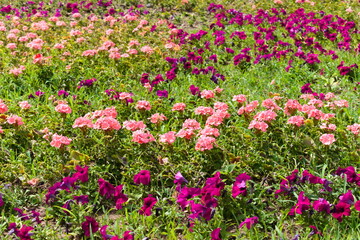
<point>59,141</point>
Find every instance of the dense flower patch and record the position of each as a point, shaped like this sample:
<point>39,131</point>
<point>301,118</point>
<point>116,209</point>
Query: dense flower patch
<point>126,123</point>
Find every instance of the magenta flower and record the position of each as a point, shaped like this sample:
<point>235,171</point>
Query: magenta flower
<point>149,203</point>
<point>105,188</point>
<point>1,200</point>
<point>179,179</point>
<point>24,233</point>
<point>213,186</point>
<point>321,205</point>
<point>357,206</point>
<point>186,194</point>
<point>82,173</point>
<point>302,205</point>
<point>82,199</point>
<point>162,93</point>
<point>249,222</point>
<point>89,226</point>
<point>120,197</point>
<point>347,197</point>
<point>142,177</point>
<point>194,90</point>
<point>239,186</point>
<point>341,209</point>
<point>215,234</point>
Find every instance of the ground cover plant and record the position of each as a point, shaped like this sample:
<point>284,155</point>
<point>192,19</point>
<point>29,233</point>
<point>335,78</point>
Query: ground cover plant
<point>179,120</point>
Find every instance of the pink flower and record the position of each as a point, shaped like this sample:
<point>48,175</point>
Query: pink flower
<point>83,122</point>
<point>143,105</point>
<point>239,98</point>
<point>218,90</point>
<point>204,143</point>
<point>355,128</point>
<point>141,137</point>
<point>265,116</point>
<point>11,46</point>
<point>157,118</point>
<point>24,105</point>
<point>133,125</point>
<point>17,71</point>
<point>168,137</point>
<point>327,139</point>
<point>221,106</point>
<point>185,133</point>
<point>1,130</point>
<point>3,107</point>
<point>15,120</point>
<point>59,141</point>
<point>147,49</point>
<point>191,124</point>
<point>296,120</point>
<point>248,108</point>
<point>107,123</point>
<point>63,108</point>
<point>331,127</point>
<point>341,103</point>
<point>209,131</point>
<point>207,94</point>
<point>270,104</point>
<point>204,111</point>
<point>291,106</point>
<point>262,126</point>
<point>179,107</point>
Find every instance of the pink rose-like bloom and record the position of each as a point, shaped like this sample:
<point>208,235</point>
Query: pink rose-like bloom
<point>15,120</point>
<point>262,126</point>
<point>205,143</point>
<point>141,137</point>
<point>239,98</point>
<point>58,141</point>
<point>83,122</point>
<point>204,111</point>
<point>248,108</point>
<point>178,107</point>
<point>209,131</point>
<point>296,120</point>
<point>265,116</point>
<point>157,118</point>
<point>1,131</point>
<point>63,108</point>
<point>133,125</point>
<point>147,49</point>
<point>327,139</point>
<point>218,90</point>
<point>11,46</point>
<point>270,104</point>
<point>107,123</point>
<point>3,107</point>
<point>168,137</point>
<point>221,106</point>
<point>24,105</point>
<point>134,43</point>
<point>331,127</point>
<point>143,105</point>
<point>291,106</point>
<point>341,103</point>
<point>191,124</point>
<point>17,71</point>
<point>355,128</point>
<point>185,133</point>
<point>132,51</point>
<point>207,94</point>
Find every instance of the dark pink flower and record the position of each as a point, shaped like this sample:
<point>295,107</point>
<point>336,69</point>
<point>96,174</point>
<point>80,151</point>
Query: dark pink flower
<point>82,173</point>
<point>249,222</point>
<point>302,205</point>
<point>347,197</point>
<point>239,186</point>
<point>142,177</point>
<point>215,234</point>
<point>357,206</point>
<point>89,226</point>
<point>149,203</point>
<point>341,209</point>
<point>105,188</point>
<point>321,205</point>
